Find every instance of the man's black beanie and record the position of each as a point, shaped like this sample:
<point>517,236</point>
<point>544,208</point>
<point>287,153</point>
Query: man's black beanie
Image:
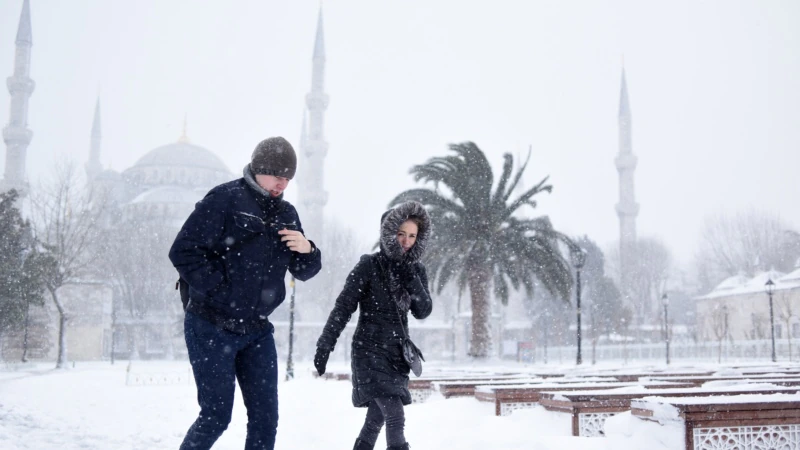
<point>274,156</point>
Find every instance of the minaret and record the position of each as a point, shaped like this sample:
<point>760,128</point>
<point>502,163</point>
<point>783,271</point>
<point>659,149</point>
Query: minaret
<point>16,134</point>
<point>313,151</point>
<point>93,166</point>
<point>627,208</point>
<point>304,133</point>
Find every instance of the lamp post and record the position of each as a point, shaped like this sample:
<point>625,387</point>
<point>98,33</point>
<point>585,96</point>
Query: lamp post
<point>769,287</point>
<point>289,360</point>
<point>665,302</point>
<point>578,260</point>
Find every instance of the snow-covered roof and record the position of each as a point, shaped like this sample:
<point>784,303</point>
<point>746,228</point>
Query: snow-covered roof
<point>733,282</point>
<point>738,285</point>
<point>791,277</point>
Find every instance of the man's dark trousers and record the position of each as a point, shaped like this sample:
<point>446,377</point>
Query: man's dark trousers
<point>218,358</point>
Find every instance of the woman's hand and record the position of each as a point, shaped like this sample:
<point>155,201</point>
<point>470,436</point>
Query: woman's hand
<point>405,273</point>
<point>321,360</point>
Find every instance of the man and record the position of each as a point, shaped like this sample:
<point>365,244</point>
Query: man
<point>233,252</point>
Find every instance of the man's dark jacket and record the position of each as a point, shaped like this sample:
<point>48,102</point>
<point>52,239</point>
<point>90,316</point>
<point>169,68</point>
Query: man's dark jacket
<point>231,255</point>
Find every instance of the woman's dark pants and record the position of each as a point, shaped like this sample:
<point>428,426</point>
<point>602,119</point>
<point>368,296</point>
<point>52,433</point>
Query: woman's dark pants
<point>390,411</point>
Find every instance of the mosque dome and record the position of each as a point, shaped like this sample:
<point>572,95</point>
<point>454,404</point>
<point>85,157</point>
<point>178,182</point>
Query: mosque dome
<point>181,154</point>
<point>178,164</point>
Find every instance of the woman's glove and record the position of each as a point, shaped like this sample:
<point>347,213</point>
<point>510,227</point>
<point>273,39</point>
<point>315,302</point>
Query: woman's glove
<point>405,273</point>
<point>321,360</point>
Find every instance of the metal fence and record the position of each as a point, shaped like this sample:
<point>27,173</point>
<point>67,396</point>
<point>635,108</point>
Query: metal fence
<point>709,351</point>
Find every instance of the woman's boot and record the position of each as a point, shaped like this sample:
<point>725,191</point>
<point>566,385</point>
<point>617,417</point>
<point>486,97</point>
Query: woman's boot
<point>399,447</point>
<point>363,445</point>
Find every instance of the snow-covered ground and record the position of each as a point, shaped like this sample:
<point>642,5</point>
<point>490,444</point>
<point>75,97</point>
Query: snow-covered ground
<point>91,406</point>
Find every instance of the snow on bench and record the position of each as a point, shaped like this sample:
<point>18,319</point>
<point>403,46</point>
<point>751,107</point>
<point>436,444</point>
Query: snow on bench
<point>590,409</point>
<point>510,398</point>
<point>332,375</point>
<point>466,388</point>
<point>772,378</point>
<point>627,376</point>
<point>423,387</point>
<point>746,421</point>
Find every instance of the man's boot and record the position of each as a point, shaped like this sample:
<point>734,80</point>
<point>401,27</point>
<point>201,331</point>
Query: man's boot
<point>399,447</point>
<point>363,445</point>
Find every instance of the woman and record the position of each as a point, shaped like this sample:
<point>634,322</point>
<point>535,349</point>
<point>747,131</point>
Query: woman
<point>384,286</point>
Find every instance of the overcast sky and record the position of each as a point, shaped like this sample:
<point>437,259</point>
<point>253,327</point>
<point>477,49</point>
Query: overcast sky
<point>714,89</point>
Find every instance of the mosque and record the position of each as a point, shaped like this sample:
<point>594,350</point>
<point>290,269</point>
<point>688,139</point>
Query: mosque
<point>161,187</point>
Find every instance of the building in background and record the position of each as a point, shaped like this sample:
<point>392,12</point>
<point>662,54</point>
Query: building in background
<point>736,315</point>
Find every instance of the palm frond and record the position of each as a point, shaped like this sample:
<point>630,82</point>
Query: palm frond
<point>429,198</point>
<point>499,194</point>
<point>517,177</point>
<point>525,198</point>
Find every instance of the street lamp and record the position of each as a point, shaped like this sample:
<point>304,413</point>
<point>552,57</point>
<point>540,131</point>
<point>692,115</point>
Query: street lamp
<point>578,260</point>
<point>769,287</point>
<point>665,302</point>
<point>289,360</point>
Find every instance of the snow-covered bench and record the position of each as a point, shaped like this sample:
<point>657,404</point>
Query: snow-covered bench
<point>734,422</point>
<point>464,388</point>
<point>509,398</point>
<point>771,378</point>
<point>590,409</point>
<point>631,376</point>
<point>467,388</point>
<point>423,387</point>
<point>332,375</point>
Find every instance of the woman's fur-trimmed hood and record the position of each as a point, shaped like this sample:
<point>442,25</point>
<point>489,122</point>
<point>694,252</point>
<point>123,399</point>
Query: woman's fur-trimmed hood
<point>390,223</point>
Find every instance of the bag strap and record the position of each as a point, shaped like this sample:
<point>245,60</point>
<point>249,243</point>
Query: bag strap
<point>386,287</point>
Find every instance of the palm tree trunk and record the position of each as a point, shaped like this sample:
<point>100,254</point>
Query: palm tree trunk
<point>481,339</point>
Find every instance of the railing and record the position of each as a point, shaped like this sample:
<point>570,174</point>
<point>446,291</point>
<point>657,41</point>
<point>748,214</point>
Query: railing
<point>155,376</point>
<point>710,351</point>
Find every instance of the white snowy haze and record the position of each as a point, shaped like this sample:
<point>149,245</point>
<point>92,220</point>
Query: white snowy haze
<point>714,91</point>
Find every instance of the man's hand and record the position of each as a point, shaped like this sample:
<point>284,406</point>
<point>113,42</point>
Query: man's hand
<point>321,360</point>
<point>295,241</point>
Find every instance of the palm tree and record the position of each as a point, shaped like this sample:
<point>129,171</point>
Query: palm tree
<point>479,242</point>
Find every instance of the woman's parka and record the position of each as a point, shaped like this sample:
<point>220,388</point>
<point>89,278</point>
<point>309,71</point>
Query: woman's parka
<point>379,286</point>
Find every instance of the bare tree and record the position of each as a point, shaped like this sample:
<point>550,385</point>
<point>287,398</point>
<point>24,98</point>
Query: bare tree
<point>786,312</point>
<point>746,243</point>
<point>648,270</point>
<point>134,261</point>
<point>759,324</point>
<point>65,213</point>
<point>718,323</point>
<point>341,249</point>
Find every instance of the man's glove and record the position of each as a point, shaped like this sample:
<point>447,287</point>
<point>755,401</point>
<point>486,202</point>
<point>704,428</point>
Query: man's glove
<point>321,360</point>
